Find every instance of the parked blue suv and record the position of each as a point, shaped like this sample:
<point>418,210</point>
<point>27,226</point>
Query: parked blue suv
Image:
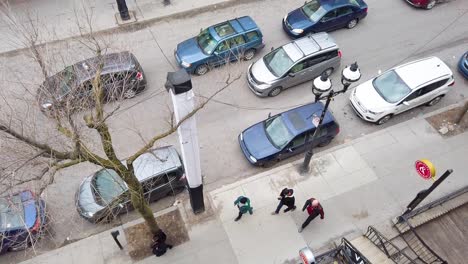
<point>22,218</point>
<point>324,15</point>
<point>284,135</point>
<point>219,44</point>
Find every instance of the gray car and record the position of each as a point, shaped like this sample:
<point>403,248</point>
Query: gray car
<point>294,63</point>
<point>104,195</point>
<point>71,89</point>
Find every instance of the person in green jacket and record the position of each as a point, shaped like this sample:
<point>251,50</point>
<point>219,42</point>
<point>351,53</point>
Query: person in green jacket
<point>243,203</point>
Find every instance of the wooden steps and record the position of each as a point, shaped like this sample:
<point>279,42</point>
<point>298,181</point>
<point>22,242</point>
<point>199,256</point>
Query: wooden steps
<point>370,251</point>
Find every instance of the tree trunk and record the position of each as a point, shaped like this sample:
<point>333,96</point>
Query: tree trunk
<point>139,202</point>
<point>462,120</point>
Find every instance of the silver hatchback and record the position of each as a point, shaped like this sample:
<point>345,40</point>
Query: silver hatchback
<point>294,63</point>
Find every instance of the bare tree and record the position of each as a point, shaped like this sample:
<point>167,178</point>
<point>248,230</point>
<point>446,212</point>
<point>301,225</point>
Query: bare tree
<point>77,116</point>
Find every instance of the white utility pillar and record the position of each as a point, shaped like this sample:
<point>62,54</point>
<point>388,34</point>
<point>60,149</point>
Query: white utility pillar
<point>179,86</point>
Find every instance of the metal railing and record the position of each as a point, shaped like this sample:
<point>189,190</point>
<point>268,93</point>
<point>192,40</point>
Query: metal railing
<point>343,253</point>
<point>387,247</point>
<point>422,251</point>
<point>437,202</point>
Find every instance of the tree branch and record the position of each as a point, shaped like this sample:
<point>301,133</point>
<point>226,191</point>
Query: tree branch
<point>47,150</point>
<point>174,128</point>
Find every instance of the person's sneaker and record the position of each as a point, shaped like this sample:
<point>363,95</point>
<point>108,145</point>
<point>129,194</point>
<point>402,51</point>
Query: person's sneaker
<point>237,219</point>
<point>274,213</point>
<point>294,208</point>
<point>300,229</point>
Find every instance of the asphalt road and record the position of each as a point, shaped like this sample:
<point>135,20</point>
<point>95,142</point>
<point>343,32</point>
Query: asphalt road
<point>392,33</point>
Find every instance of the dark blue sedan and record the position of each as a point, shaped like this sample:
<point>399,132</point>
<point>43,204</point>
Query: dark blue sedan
<point>463,65</point>
<point>22,218</point>
<point>285,134</point>
<point>324,15</point>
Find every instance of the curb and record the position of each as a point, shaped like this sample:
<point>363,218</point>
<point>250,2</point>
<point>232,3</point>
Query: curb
<point>141,24</point>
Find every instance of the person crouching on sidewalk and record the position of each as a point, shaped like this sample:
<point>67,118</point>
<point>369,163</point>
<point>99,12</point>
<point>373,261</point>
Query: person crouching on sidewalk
<point>313,209</point>
<point>159,245</point>
<point>243,203</point>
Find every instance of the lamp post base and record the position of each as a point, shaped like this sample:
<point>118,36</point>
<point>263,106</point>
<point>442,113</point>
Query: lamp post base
<point>305,165</point>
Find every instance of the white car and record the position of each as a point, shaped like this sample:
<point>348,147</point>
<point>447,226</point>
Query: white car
<point>399,89</point>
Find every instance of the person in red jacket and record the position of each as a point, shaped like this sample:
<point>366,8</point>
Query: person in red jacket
<point>313,209</point>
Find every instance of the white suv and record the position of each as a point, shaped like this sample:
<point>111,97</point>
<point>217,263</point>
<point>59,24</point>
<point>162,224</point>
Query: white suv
<point>399,89</point>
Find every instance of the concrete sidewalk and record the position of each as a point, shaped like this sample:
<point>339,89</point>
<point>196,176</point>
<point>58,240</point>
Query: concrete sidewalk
<point>367,181</point>
<point>57,20</point>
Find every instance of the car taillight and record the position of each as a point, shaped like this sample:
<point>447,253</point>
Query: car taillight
<point>337,130</point>
<point>36,226</point>
<point>365,10</point>
<point>339,53</point>
<point>139,76</point>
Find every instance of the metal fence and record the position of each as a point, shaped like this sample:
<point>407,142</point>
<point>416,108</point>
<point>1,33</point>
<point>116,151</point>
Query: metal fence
<point>386,246</point>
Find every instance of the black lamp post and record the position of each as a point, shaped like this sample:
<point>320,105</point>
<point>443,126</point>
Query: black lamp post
<point>320,86</point>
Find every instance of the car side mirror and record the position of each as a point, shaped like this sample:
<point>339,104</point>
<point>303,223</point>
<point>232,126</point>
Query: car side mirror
<point>289,150</point>
<point>291,74</point>
<point>201,29</point>
<point>121,206</point>
<point>406,103</point>
<point>269,115</point>
<point>272,49</point>
<point>215,53</point>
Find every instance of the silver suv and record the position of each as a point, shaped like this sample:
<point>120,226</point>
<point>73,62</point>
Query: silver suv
<point>296,62</point>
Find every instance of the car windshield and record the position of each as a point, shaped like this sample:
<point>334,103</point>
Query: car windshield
<point>107,185</point>
<point>313,10</point>
<point>277,132</point>
<point>278,62</point>
<point>11,213</point>
<point>206,42</point>
<point>391,87</point>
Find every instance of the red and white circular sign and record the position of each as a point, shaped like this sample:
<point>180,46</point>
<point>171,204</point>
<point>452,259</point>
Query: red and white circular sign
<point>425,169</point>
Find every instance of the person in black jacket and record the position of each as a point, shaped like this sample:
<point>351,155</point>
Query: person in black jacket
<point>289,201</point>
<point>159,245</point>
<point>281,200</point>
<point>285,199</point>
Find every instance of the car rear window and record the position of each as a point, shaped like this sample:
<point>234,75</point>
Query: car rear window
<point>252,36</point>
<point>11,213</point>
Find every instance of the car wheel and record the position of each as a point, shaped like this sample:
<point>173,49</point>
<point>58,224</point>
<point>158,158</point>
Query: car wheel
<point>431,4</point>
<point>129,93</point>
<point>202,69</point>
<point>328,71</point>
<point>325,143</point>
<point>384,119</point>
<point>352,23</point>
<point>249,54</point>
<point>434,101</point>
<point>275,92</point>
